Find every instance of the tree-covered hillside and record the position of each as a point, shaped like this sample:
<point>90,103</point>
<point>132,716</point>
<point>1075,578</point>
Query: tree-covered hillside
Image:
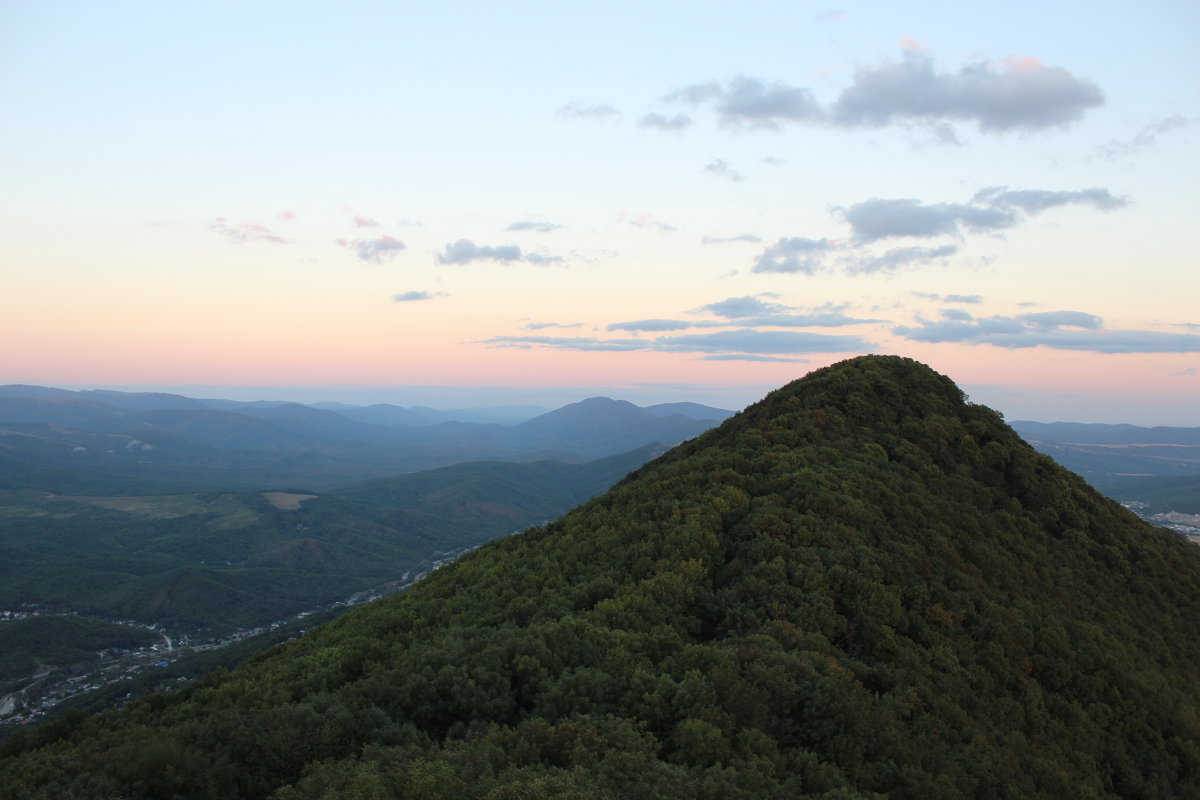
<point>216,561</point>
<point>861,587</point>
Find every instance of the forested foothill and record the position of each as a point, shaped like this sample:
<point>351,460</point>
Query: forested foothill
<point>863,586</point>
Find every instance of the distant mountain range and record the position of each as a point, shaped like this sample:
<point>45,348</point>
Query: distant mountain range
<point>152,507</point>
<point>168,441</point>
<point>1106,453</point>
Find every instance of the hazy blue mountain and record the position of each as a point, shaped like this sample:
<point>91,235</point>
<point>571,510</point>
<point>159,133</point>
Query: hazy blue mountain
<point>26,390</point>
<point>500,415</point>
<point>141,401</point>
<point>60,410</point>
<point>1107,453</point>
<point>380,414</point>
<point>600,425</point>
<point>1101,433</point>
<point>230,444</point>
<point>423,416</point>
<point>692,410</point>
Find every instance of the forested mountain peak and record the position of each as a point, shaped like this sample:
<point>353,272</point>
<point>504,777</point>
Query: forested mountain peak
<point>862,587</point>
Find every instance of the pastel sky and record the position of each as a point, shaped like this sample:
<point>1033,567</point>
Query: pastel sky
<point>657,201</point>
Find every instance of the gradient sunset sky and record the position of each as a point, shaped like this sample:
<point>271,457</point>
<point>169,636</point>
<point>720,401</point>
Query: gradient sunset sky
<point>655,201</point>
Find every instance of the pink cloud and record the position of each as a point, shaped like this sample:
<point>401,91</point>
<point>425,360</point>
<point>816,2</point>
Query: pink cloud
<point>246,232</point>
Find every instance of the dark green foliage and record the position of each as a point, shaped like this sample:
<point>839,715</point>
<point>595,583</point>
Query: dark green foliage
<point>61,641</point>
<point>862,587</point>
<point>223,561</point>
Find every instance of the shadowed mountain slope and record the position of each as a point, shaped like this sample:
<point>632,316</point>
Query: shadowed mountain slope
<point>861,587</point>
<point>219,561</point>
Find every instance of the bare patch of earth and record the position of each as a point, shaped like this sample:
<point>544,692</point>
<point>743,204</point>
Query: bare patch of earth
<point>286,501</point>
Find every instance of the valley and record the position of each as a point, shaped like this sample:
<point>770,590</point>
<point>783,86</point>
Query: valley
<point>210,568</point>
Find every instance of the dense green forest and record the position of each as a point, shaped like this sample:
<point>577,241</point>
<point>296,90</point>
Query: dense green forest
<point>28,643</point>
<point>863,586</point>
<point>218,561</point>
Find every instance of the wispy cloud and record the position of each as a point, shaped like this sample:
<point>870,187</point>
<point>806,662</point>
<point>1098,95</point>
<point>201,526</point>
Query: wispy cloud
<point>756,312</point>
<point>748,340</point>
<point>1035,201</point>
<point>994,208</point>
<point>661,122</point>
<point>969,299</point>
<point>363,221</point>
<point>794,254</point>
<point>655,325</point>
<point>749,357</point>
<point>413,296</point>
<point>465,251</point>
<point>1059,330</point>
<point>751,103</point>
<point>991,210</point>
<point>375,251</point>
<point>538,326</point>
<point>645,220</point>
<point>721,169</point>
<point>739,307</point>
<point>733,343</point>
<point>583,343</point>
<point>1145,138</point>
<point>741,237</point>
<point>243,232</point>
<point>579,111</point>
<point>536,227</point>
<point>898,258</point>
